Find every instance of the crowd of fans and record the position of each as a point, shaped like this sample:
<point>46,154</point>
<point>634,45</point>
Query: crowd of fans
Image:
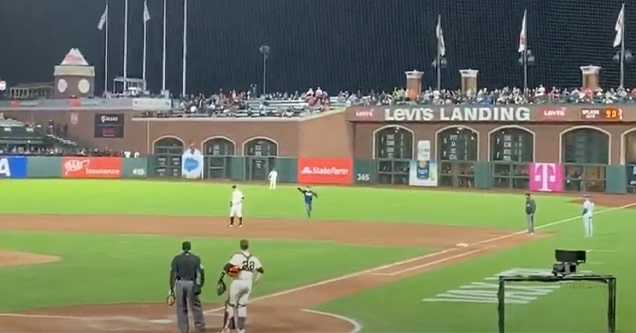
<point>538,95</point>
<point>248,104</point>
<point>52,141</point>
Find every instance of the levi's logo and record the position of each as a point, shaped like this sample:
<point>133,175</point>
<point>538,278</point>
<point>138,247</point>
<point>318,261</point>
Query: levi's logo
<point>554,113</point>
<point>364,113</point>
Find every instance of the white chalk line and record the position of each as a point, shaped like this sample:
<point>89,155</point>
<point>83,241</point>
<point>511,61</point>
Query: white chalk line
<point>340,278</point>
<point>357,327</point>
<point>432,263</point>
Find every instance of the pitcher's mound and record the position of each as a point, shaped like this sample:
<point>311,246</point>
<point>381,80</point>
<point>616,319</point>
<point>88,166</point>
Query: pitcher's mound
<point>12,258</point>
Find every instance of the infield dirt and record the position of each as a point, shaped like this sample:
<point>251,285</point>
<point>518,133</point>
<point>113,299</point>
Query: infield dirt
<point>283,311</point>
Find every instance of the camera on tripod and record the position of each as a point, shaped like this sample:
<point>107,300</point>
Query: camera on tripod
<point>567,261</point>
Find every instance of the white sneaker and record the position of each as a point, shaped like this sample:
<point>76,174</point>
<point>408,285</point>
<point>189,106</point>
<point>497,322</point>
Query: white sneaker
<point>230,226</point>
<point>532,233</point>
<point>240,226</point>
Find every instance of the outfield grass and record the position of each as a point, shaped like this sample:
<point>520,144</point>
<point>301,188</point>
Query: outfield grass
<point>122,270</point>
<point>334,203</point>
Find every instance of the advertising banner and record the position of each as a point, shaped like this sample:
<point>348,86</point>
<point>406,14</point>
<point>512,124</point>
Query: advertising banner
<point>325,171</point>
<point>134,167</point>
<point>546,177</point>
<point>109,125</point>
<point>13,167</point>
<point>91,167</point>
<point>192,164</point>
<point>589,113</point>
<point>423,173</point>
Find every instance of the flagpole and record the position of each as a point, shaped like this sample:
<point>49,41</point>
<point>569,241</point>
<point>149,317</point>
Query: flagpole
<point>125,46</point>
<point>163,51</point>
<point>439,68</point>
<point>143,65</point>
<point>439,56</point>
<point>523,47</point>
<point>622,75</point>
<point>525,70</point>
<point>106,49</point>
<point>185,47</point>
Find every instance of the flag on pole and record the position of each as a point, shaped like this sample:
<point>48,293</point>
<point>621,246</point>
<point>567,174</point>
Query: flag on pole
<point>523,36</point>
<point>146,12</point>
<point>620,25</point>
<point>441,46</point>
<point>102,20</point>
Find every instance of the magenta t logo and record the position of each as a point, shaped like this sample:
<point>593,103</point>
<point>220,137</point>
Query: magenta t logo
<point>546,177</point>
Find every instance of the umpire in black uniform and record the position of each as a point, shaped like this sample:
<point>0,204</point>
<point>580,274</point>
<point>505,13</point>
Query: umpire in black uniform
<point>186,280</point>
<point>531,208</point>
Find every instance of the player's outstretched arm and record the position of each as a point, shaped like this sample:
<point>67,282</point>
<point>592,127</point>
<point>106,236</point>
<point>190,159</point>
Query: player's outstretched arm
<point>300,190</point>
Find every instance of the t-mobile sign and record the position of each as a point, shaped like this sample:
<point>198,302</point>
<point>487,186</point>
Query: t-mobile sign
<point>546,177</point>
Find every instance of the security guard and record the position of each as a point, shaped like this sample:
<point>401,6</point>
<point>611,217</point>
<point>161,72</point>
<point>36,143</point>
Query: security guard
<point>186,280</point>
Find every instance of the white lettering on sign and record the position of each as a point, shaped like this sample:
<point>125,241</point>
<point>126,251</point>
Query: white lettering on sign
<point>5,169</point>
<point>459,114</point>
<point>324,171</point>
<point>556,113</point>
<point>109,119</point>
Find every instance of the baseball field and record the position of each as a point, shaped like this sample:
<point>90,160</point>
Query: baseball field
<point>93,256</point>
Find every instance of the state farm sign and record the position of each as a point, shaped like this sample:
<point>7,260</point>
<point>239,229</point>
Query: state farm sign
<point>458,114</point>
<point>325,170</point>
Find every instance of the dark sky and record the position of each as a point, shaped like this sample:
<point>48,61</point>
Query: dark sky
<point>335,44</point>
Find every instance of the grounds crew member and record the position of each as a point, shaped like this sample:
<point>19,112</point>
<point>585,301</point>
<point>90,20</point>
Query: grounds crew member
<point>186,280</point>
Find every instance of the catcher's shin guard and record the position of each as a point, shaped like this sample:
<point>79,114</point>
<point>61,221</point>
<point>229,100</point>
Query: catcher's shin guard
<point>229,323</point>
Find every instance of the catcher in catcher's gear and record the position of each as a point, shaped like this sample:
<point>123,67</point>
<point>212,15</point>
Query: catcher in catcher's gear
<point>186,280</point>
<point>245,270</point>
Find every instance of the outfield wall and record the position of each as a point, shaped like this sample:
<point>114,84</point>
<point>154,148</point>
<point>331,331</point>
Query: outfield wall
<point>536,177</point>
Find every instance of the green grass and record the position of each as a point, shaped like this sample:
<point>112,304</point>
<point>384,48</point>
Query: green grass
<point>134,268</point>
<point>131,268</point>
<point>334,203</point>
<point>555,312</point>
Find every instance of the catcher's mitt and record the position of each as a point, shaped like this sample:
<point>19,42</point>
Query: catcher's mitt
<point>221,287</point>
<point>170,299</point>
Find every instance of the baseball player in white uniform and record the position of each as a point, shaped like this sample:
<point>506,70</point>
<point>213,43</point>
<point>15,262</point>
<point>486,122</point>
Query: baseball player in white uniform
<point>273,175</point>
<point>588,212</point>
<point>241,286</point>
<point>236,207</point>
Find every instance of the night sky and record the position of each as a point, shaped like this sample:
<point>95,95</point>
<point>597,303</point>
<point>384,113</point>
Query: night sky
<point>335,44</point>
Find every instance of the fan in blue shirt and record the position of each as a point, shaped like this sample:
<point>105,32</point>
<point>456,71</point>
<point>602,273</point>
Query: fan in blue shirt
<point>309,195</point>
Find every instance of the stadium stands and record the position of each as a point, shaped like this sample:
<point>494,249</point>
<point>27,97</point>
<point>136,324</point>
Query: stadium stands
<point>18,138</point>
<point>538,95</point>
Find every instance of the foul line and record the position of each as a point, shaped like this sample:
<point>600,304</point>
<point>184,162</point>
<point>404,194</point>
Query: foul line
<point>432,263</point>
<point>402,262</point>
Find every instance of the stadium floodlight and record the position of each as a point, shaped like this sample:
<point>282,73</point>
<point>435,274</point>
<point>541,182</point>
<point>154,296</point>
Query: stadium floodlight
<point>264,50</point>
<point>564,271</point>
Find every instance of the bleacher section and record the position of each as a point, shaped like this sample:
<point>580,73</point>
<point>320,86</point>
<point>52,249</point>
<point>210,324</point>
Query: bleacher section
<point>253,108</point>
